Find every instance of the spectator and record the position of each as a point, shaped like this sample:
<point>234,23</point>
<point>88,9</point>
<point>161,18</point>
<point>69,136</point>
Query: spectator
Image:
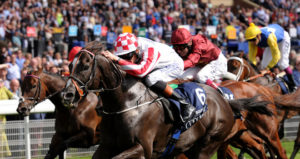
<point>296,72</point>
<point>5,94</point>
<point>3,74</point>
<point>20,59</point>
<point>15,87</point>
<point>13,71</point>
<point>57,59</point>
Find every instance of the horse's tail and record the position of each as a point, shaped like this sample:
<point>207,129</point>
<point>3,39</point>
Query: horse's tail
<point>288,101</point>
<point>250,104</point>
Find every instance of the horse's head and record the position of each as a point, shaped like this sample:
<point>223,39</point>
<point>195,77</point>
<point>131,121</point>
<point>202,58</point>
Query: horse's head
<point>241,68</point>
<point>88,70</point>
<point>33,92</point>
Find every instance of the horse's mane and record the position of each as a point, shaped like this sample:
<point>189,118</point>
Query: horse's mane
<point>95,47</point>
<point>32,72</point>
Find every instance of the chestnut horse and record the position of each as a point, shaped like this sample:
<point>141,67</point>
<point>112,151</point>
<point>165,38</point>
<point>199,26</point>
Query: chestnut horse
<point>134,123</point>
<point>73,127</point>
<point>247,72</point>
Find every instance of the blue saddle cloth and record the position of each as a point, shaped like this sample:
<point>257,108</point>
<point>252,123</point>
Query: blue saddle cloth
<point>196,96</point>
<point>281,82</point>
<point>227,93</point>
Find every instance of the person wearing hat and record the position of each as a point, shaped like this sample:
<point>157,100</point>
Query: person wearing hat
<point>73,52</point>
<point>203,60</point>
<point>155,62</point>
<point>277,45</point>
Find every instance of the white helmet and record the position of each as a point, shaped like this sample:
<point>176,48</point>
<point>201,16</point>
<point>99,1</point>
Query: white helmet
<point>125,43</point>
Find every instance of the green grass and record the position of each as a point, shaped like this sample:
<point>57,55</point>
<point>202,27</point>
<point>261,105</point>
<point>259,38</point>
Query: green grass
<point>288,146</point>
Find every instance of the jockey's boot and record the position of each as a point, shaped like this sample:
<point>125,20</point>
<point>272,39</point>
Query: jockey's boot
<point>215,86</point>
<point>187,110</point>
<point>291,83</point>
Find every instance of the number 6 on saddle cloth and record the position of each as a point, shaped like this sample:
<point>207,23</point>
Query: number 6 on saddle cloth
<point>194,94</point>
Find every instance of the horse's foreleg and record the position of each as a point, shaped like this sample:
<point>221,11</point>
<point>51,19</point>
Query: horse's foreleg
<point>83,139</point>
<point>136,151</point>
<point>225,151</point>
<point>53,151</point>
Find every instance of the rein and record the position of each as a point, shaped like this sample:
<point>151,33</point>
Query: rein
<point>134,107</point>
<point>256,76</point>
<point>131,107</point>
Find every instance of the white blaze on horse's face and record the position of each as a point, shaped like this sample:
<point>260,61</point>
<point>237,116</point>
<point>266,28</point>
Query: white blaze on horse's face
<point>69,82</point>
<point>74,63</point>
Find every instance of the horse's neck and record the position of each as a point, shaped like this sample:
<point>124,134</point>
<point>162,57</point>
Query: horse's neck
<point>131,93</point>
<point>53,83</point>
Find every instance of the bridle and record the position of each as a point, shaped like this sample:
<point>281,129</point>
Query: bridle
<point>36,98</point>
<point>247,77</point>
<point>82,87</point>
<point>242,65</point>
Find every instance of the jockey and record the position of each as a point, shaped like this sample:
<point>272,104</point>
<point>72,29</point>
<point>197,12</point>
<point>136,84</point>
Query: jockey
<point>155,62</point>
<point>199,51</point>
<point>277,44</point>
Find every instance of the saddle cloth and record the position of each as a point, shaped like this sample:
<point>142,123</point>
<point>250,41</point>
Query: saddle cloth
<point>196,96</point>
<point>227,93</point>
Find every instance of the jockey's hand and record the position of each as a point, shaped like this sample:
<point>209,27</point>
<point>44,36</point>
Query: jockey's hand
<point>264,71</point>
<point>109,55</point>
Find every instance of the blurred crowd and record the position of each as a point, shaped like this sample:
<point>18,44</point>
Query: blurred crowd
<point>154,19</point>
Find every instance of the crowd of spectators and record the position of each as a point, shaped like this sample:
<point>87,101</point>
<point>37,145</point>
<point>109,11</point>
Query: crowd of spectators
<point>154,19</point>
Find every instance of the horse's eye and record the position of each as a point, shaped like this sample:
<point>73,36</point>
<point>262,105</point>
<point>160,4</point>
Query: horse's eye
<point>33,86</point>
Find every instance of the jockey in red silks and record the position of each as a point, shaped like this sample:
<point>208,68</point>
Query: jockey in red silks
<point>155,62</point>
<point>203,60</point>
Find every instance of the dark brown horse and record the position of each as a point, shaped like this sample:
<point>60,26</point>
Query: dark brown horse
<point>134,123</point>
<point>73,127</point>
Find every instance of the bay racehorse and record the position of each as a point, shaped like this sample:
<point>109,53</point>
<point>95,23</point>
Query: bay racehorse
<point>247,72</point>
<point>134,123</point>
<point>74,127</point>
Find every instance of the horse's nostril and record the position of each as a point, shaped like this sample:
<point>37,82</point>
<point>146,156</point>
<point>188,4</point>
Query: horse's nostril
<point>69,95</point>
<point>23,109</point>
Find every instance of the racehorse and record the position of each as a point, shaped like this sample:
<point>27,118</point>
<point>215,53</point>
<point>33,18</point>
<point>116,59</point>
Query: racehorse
<point>76,127</point>
<point>247,72</point>
<point>134,123</point>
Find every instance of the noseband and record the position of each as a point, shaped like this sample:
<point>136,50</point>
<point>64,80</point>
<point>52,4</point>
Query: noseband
<point>82,88</point>
<point>238,76</point>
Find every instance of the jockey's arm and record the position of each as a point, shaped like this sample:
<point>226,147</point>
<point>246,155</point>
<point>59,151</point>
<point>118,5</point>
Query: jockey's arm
<point>252,52</point>
<point>149,61</point>
<point>192,60</point>
<point>272,42</point>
